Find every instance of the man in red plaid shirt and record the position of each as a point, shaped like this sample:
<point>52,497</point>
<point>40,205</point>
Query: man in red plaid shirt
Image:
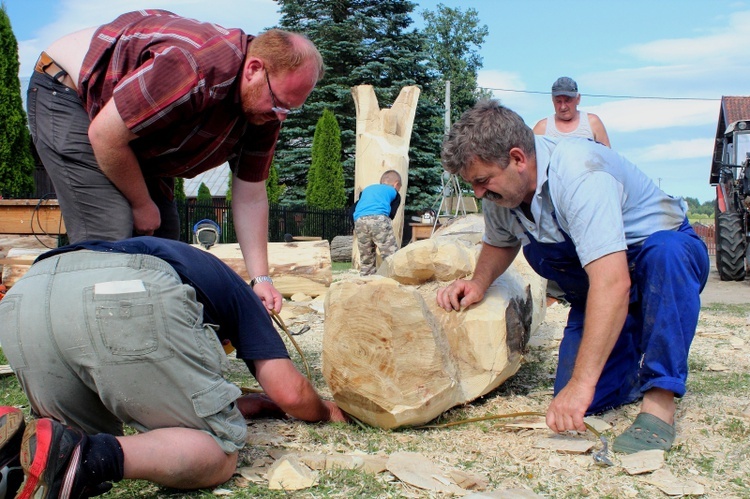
<point>117,112</point>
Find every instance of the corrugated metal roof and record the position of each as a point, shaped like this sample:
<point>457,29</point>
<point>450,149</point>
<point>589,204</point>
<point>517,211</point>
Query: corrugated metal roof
<point>216,179</point>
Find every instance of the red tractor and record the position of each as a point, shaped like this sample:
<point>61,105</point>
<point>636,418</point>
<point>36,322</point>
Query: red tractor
<point>730,173</point>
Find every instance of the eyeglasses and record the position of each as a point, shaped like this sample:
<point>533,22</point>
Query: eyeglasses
<point>276,108</point>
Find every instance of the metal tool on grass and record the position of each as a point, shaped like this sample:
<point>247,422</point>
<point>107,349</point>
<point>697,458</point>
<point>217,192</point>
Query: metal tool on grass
<point>600,457</point>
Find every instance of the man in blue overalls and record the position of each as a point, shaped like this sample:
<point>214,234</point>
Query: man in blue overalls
<point>622,250</point>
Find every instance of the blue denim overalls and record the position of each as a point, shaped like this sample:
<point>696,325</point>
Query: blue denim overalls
<point>667,272</point>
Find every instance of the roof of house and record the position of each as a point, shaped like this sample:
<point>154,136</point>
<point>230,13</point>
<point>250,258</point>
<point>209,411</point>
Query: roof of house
<point>216,179</point>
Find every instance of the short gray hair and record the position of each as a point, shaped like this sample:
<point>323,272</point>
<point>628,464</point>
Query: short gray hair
<point>487,132</point>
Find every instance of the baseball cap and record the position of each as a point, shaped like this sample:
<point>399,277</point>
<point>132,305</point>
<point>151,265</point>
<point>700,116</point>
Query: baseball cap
<point>565,86</point>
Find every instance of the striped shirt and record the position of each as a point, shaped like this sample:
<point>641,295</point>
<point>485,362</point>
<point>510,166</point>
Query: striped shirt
<point>176,84</point>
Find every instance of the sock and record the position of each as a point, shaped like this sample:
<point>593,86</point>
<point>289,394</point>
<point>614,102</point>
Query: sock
<point>103,459</point>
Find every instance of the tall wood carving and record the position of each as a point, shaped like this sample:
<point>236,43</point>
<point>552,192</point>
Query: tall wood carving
<point>383,137</point>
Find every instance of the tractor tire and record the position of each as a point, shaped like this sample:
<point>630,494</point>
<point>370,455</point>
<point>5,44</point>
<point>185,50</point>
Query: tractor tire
<point>731,246</point>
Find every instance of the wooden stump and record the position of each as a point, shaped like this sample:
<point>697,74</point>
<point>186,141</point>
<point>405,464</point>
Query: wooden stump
<point>393,358</point>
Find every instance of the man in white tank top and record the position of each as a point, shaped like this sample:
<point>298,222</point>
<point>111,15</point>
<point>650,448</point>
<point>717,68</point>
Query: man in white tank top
<point>568,121</point>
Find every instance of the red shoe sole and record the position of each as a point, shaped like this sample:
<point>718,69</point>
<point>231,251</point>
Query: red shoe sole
<point>34,466</point>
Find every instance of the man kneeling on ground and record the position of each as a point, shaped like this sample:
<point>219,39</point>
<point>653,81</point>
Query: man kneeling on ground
<point>102,334</point>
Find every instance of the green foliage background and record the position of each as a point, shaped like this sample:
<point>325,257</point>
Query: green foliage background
<point>366,42</point>
<point>325,180</point>
<point>16,161</point>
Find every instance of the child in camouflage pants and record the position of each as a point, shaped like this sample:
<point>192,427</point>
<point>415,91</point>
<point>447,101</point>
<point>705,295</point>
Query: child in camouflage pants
<point>373,220</point>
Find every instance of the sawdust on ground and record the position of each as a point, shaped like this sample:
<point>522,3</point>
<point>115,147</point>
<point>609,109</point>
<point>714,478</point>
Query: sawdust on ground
<point>713,419</point>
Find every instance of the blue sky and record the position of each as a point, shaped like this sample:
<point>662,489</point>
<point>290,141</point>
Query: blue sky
<point>654,71</point>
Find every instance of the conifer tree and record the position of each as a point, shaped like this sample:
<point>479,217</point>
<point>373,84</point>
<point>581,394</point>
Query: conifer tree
<point>179,189</point>
<point>273,188</point>
<point>325,180</point>
<point>16,161</point>
<point>362,42</point>
<point>204,204</point>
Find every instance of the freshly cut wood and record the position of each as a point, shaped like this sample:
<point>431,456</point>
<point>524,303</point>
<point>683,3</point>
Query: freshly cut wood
<point>393,358</point>
<point>296,267</point>
<point>17,262</point>
<point>31,216</point>
<point>383,137</point>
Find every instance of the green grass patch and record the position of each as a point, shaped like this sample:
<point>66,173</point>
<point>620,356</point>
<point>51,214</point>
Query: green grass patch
<point>735,310</point>
<point>341,266</point>
<point>720,383</point>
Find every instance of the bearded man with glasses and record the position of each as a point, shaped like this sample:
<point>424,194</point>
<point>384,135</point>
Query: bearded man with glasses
<point>118,111</point>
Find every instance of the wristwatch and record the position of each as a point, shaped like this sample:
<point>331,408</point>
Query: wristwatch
<point>260,278</point>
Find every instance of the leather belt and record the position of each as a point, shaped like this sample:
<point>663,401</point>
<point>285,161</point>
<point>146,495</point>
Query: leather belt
<point>45,64</point>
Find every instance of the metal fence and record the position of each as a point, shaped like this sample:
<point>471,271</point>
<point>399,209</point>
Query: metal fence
<point>707,234</point>
<point>283,221</point>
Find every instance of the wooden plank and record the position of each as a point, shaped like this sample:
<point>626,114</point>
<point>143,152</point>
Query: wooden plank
<point>31,216</point>
<point>298,267</point>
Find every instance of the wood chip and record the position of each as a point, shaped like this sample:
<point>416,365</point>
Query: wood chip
<point>644,461</point>
<point>289,474</point>
<point>468,481</point>
<point>5,370</point>
<point>416,470</point>
<point>505,494</point>
<point>674,486</point>
<point>717,367</point>
<point>261,438</point>
<point>565,444</point>
<point>597,423</point>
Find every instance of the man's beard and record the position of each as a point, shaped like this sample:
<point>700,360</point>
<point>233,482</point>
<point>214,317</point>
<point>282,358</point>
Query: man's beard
<point>250,97</point>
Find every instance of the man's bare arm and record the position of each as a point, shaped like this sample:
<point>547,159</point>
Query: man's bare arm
<point>606,310</point>
<point>294,393</point>
<point>110,139</point>
<point>597,127</point>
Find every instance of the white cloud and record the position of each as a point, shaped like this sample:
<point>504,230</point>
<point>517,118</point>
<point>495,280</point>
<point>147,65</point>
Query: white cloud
<point>707,65</point>
<point>723,41</point>
<point>701,148</point>
<point>648,114</point>
<point>521,102</point>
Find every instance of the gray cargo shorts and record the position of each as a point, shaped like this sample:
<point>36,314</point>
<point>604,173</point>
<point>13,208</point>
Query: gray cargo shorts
<point>100,339</point>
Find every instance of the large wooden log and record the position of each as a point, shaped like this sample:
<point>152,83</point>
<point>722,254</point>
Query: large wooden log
<point>392,357</point>
<point>17,262</point>
<point>31,216</point>
<point>297,267</point>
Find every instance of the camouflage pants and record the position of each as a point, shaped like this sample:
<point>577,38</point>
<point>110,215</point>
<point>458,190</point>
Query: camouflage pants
<point>374,231</point>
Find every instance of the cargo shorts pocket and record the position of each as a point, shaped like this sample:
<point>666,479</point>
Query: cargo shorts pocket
<point>10,333</point>
<point>127,324</point>
<point>216,406</point>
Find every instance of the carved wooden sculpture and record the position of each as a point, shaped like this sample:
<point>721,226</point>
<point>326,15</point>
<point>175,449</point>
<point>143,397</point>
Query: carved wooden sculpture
<point>393,358</point>
<point>383,137</point>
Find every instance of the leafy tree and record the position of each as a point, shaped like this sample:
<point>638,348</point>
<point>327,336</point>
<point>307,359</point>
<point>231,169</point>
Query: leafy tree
<point>16,161</point>
<point>454,39</point>
<point>362,42</point>
<point>274,190</point>
<point>325,180</point>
